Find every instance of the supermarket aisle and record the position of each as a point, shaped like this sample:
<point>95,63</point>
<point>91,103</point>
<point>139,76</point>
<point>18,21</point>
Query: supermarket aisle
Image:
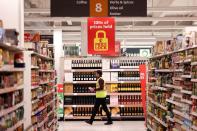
<point>99,126</point>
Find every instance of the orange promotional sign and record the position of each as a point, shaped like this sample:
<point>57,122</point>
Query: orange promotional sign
<point>101,36</point>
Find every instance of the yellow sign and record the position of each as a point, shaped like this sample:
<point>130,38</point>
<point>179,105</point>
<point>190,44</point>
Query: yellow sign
<point>101,43</point>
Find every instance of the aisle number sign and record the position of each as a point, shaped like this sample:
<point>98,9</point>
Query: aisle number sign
<point>98,8</point>
<point>101,36</point>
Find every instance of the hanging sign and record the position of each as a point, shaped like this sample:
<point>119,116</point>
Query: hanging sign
<point>98,8</point>
<point>101,36</point>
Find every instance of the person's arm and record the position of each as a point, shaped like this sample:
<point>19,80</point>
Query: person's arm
<point>101,85</point>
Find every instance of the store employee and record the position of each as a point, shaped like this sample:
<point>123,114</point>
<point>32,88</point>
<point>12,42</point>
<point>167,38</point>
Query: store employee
<point>101,95</point>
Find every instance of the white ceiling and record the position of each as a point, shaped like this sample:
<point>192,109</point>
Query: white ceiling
<point>166,18</point>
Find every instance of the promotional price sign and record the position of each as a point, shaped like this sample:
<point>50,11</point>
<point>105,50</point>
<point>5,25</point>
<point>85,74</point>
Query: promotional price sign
<point>143,86</point>
<point>101,36</point>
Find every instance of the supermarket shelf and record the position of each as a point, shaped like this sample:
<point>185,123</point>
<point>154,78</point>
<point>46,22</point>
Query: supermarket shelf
<point>122,82</point>
<point>177,79</point>
<point>194,97</point>
<point>11,89</point>
<point>45,94</point>
<point>158,88</point>
<point>34,87</point>
<point>193,80</point>
<point>186,92</point>
<point>15,126</point>
<point>194,63</point>
<point>34,67</point>
<point>108,82</point>
<point>169,53</point>
<point>42,56</point>
<point>178,70</point>
<point>175,103</point>
<point>47,71</point>
<point>186,76</point>
<point>170,119</point>
<point>156,118</point>
<point>10,68</point>
<point>157,104</point>
<point>186,101</point>
<point>164,70</point>
<point>176,95</point>
<point>34,101</point>
<point>181,114</point>
<point>42,123</point>
<point>92,94</point>
<point>80,82</point>
<point>172,86</point>
<point>46,82</point>
<point>116,70</point>
<point>11,109</point>
<point>194,113</point>
<point>10,47</point>
<point>194,128</point>
<point>120,105</point>
<point>50,123</point>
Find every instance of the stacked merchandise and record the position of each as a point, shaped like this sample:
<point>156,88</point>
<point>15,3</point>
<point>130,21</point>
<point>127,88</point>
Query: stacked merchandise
<point>11,82</point>
<point>172,84</point>
<point>122,83</point>
<point>42,82</point>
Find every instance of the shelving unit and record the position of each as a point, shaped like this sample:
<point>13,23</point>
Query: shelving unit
<point>112,69</point>
<point>11,89</point>
<point>175,87</point>
<point>41,107</point>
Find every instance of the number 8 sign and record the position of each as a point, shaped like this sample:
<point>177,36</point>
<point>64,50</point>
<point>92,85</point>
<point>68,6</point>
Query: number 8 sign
<point>98,8</point>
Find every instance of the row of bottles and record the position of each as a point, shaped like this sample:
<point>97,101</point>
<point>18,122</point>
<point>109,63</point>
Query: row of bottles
<point>81,100</point>
<point>86,64</point>
<point>126,64</point>
<point>84,76</point>
<point>129,76</point>
<point>130,99</point>
<point>129,87</point>
<point>86,111</point>
<point>131,111</point>
<point>83,88</point>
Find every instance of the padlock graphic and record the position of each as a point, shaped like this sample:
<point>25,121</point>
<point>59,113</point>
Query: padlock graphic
<point>101,44</point>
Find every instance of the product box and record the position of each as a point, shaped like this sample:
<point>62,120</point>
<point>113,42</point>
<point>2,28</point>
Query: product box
<point>1,24</point>
<point>169,46</point>
<point>178,42</point>
<point>159,47</point>
<point>11,37</point>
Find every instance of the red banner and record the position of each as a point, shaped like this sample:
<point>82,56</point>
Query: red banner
<point>101,36</point>
<point>60,88</point>
<point>143,87</point>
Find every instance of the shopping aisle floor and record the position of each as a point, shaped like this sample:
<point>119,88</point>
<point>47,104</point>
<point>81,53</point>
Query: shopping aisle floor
<point>99,126</point>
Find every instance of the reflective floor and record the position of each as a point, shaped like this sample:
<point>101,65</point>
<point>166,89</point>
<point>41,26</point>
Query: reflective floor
<point>99,126</point>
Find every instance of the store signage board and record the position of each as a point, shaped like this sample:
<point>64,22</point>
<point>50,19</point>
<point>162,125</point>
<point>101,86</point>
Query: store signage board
<point>48,38</point>
<point>98,8</point>
<point>101,36</point>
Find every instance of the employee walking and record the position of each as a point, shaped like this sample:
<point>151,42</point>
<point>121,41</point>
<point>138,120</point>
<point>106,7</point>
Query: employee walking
<point>101,95</point>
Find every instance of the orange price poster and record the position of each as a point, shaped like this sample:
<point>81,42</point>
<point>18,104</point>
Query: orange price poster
<point>101,36</point>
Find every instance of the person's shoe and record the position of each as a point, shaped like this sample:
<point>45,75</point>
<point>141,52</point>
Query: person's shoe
<point>88,122</point>
<point>109,123</point>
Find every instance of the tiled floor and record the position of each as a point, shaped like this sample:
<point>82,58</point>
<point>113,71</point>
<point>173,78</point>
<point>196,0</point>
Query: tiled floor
<point>99,126</point>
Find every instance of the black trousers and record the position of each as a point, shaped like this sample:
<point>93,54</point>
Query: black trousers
<point>98,103</point>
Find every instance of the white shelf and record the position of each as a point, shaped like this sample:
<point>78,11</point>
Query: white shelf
<point>193,80</point>
<point>11,89</point>
<point>177,95</point>
<point>114,82</point>
<point>194,63</point>
<point>10,47</point>
<point>45,94</point>
<point>178,70</point>
<point>34,67</point>
<point>157,104</point>
<point>11,109</point>
<point>158,88</point>
<point>186,76</point>
<point>177,79</point>
<point>149,127</point>
<point>35,101</point>
<point>47,71</point>
<point>172,86</point>
<point>175,103</point>
<point>181,114</point>
<point>116,70</point>
<point>194,114</point>
<point>186,101</point>
<point>34,87</point>
<point>119,105</point>
<point>194,97</point>
<point>42,56</point>
<point>92,94</point>
<point>164,70</point>
<point>186,92</point>
<point>10,68</point>
<point>178,121</point>
<point>156,118</point>
<point>15,126</point>
<point>46,82</point>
